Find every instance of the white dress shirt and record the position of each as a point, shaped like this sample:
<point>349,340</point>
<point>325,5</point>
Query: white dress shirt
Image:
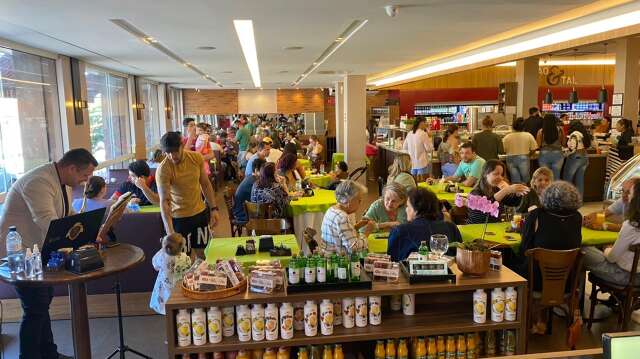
<point>420,148</point>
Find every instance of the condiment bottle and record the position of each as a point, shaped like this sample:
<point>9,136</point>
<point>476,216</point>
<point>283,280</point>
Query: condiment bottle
<point>490,343</point>
<point>310,318</point>
<point>511,303</point>
<point>257,322</point>
<point>294,271</point>
<point>409,304</point>
<point>355,267</point>
<point>214,322</point>
<point>243,314</point>
<point>390,350</point>
<point>286,320</point>
<point>310,270</point>
<point>326,317</point>
<point>451,347</point>
<point>479,306</point>
<point>271,321</point>
<point>379,352</point>
<point>199,326</point>
<point>183,324</point>
<point>461,348</point>
<point>348,312</point>
<point>403,351</point>
<point>337,352</point>
<point>328,353</point>
<point>497,305</point>
<point>321,269</point>
<point>423,249</point>
<point>361,311</point>
<point>510,345</point>
<point>228,322</point>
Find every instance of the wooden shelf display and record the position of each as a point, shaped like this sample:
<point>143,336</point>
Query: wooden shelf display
<point>440,309</point>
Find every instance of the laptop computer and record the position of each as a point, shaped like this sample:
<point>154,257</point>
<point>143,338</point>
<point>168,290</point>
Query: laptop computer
<point>72,232</point>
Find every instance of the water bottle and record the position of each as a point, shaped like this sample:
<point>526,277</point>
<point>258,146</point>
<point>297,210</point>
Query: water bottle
<point>15,253</point>
<point>28,264</point>
<point>133,207</point>
<point>37,261</point>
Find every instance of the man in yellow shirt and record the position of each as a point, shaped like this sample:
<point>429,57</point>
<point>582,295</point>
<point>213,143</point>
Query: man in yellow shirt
<point>181,180</point>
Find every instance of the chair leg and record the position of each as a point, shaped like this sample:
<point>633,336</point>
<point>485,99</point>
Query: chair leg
<point>626,311</point>
<point>592,306</point>
<point>549,321</point>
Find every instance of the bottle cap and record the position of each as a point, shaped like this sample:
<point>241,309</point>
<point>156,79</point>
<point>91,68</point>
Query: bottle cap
<point>12,229</point>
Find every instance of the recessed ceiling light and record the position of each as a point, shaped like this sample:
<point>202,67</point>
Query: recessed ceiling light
<point>237,83</point>
<point>226,72</point>
<point>293,48</point>
<point>206,48</point>
<point>283,72</point>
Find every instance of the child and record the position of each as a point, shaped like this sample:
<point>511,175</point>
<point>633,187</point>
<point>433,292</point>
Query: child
<point>341,173</point>
<point>202,143</point>
<point>171,264</point>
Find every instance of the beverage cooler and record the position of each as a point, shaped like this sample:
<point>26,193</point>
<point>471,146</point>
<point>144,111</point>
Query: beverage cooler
<point>628,170</point>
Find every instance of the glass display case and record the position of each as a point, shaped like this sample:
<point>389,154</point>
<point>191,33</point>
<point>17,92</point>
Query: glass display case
<point>630,169</point>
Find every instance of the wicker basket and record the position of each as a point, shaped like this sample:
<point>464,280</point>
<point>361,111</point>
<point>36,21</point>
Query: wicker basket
<point>215,294</point>
<point>475,263</point>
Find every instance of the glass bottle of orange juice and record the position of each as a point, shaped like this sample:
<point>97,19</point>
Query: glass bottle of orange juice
<point>451,347</point>
<point>257,354</point>
<point>269,354</point>
<point>302,353</point>
<point>461,352</point>
<point>471,346</point>
<point>442,349</point>
<point>337,352</point>
<point>243,354</point>
<point>391,349</point>
<point>282,353</point>
<point>421,349</point>
<point>328,353</point>
<point>379,353</point>
<point>403,351</point>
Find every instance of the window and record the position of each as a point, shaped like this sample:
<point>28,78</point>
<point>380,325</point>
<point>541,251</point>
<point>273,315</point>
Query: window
<point>150,113</point>
<point>110,128</point>
<point>175,101</point>
<point>30,131</point>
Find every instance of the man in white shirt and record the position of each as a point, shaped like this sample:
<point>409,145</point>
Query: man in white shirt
<point>34,200</point>
<point>274,153</point>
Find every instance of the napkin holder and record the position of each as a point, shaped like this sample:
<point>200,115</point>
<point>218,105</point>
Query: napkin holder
<point>265,244</point>
<point>84,260</point>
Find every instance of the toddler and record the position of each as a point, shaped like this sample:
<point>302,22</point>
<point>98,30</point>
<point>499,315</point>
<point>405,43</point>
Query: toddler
<point>171,264</point>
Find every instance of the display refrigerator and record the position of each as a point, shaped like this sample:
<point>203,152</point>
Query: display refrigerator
<point>629,170</point>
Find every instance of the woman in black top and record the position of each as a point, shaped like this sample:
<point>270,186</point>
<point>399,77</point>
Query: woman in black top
<point>624,146</point>
<point>493,186</point>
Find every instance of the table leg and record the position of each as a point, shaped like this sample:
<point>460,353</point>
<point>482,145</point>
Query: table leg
<point>80,320</point>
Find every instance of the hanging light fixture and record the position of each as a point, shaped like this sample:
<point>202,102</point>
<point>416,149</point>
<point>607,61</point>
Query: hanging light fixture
<point>602,94</point>
<point>573,95</point>
<point>548,98</point>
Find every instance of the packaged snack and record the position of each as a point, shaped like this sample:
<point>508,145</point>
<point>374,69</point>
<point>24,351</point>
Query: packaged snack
<point>386,271</point>
<point>371,258</point>
<point>261,282</point>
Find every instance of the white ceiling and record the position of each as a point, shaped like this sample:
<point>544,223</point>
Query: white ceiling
<point>82,29</point>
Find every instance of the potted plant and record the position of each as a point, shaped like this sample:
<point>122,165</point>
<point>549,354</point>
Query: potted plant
<point>473,257</point>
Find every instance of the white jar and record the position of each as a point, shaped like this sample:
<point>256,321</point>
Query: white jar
<point>326,317</point>
<point>510,304</point>
<point>375,310</point>
<point>271,321</point>
<point>243,318</point>
<point>214,324</point>
<point>396,302</point>
<point>298,316</point>
<point>321,274</point>
<point>228,321</point>
<point>294,273</point>
<point>257,322</point>
<point>348,313</point>
<point>310,318</point>
<point>497,305</point>
<point>286,320</point>
<point>409,304</point>
<point>479,306</point>
<point>337,312</point>
<point>361,311</point>
<point>199,326</point>
<point>183,324</point>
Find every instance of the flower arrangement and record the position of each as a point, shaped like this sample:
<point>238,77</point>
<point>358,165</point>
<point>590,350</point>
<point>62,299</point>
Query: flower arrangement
<point>479,203</point>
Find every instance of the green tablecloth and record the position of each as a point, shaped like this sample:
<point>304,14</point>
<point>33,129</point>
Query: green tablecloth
<point>337,157</point>
<point>500,236</point>
<point>320,202</point>
<point>377,242</point>
<point>226,248</point>
<point>150,209</point>
<point>304,162</point>
<point>442,195</point>
<point>319,180</point>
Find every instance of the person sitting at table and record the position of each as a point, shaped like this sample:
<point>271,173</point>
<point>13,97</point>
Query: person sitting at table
<point>271,190</point>
<point>493,186</point>
<point>448,151</point>
<point>94,193</point>
<point>541,179</point>
<point>287,168</point>
<point>470,167</point>
<point>244,156</point>
<point>243,192</point>
<point>140,183</point>
<point>263,152</point>
<point>340,173</point>
<point>614,264</point>
<point>616,212</point>
<point>314,151</point>
<point>424,217</point>
<point>400,172</point>
<point>338,233</point>
<point>388,211</point>
<point>291,148</point>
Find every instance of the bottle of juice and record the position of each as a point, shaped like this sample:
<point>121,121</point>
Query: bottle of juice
<point>310,270</point>
<point>316,352</point>
<point>461,348</point>
<point>199,326</point>
<point>490,343</point>
<point>442,348</point>
<point>337,352</point>
<point>451,347</point>
<point>243,354</point>
<point>282,353</point>
<point>391,350</point>
<point>302,353</point>
<point>471,346</point>
<point>403,351</point>
<point>379,352</point>
<point>269,353</point>
<point>328,353</point>
<point>421,348</point>
<point>257,354</point>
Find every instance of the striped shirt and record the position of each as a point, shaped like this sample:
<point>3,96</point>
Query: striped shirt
<point>338,233</point>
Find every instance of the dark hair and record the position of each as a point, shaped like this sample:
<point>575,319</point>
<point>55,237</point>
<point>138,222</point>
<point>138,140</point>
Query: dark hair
<point>576,125</point>
<point>468,144</point>
<point>170,142</point>
<point>140,168</point>
<point>291,148</point>
<point>287,162</point>
<point>549,129</point>
<point>94,186</point>
<point>533,110</point>
<point>451,129</point>
<point>78,157</point>
<point>203,126</point>
<point>633,215</point>
<point>258,163</point>
<point>425,203</point>
<point>157,156</point>
<point>484,186</point>
<point>342,165</point>
<point>416,123</point>
<point>518,124</point>
<point>292,133</point>
<point>187,121</point>
<point>626,123</point>
<point>267,175</point>
<point>262,145</point>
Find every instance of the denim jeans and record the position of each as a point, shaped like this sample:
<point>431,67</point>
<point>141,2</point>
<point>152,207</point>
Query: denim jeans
<point>518,168</point>
<point>552,160</point>
<point>595,261</point>
<point>574,168</point>
<point>36,338</point>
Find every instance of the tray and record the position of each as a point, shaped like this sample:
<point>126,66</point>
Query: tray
<point>364,283</point>
<point>215,294</point>
<point>415,279</point>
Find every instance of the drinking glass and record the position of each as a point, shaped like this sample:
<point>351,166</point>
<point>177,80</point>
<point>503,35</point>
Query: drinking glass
<point>439,244</point>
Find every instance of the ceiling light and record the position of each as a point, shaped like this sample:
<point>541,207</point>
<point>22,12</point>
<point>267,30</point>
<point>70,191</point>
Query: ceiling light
<point>206,48</point>
<point>568,34</point>
<point>346,34</point>
<point>293,48</point>
<point>544,62</point>
<point>244,29</point>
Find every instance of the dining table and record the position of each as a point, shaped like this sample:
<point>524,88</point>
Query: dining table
<point>308,212</point>
<point>226,248</point>
<point>443,195</point>
<point>319,179</point>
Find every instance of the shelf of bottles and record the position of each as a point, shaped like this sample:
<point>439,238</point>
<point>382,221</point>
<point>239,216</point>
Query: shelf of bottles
<point>448,114</point>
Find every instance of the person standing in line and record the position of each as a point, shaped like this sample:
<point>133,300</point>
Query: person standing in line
<point>34,200</point>
<point>189,136</point>
<point>420,147</point>
<point>576,163</point>
<point>488,145</point>
<point>519,145</point>
<point>533,123</point>
<point>243,136</point>
<point>550,140</point>
<point>182,181</point>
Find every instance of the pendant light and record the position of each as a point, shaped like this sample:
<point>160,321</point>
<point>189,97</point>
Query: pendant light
<point>602,94</point>
<point>548,98</point>
<point>573,95</point>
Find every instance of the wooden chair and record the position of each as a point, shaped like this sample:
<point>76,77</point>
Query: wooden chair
<point>357,173</point>
<point>381,184</point>
<point>559,270</point>
<point>235,225</point>
<point>264,226</point>
<point>258,210</point>
<point>627,295</point>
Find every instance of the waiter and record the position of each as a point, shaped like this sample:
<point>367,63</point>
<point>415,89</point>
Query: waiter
<point>37,198</point>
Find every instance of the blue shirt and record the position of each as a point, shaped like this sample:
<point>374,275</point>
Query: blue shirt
<point>92,204</point>
<point>406,238</point>
<point>470,169</point>
<point>249,170</point>
<point>243,193</point>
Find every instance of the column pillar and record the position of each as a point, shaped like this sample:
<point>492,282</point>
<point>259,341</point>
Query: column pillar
<point>527,79</point>
<point>339,96</point>
<point>626,79</point>
<point>355,122</point>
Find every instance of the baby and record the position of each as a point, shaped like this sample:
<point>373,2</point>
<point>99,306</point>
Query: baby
<point>171,264</point>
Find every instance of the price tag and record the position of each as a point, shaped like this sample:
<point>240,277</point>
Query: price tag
<point>207,278</point>
<point>262,282</point>
<point>384,272</point>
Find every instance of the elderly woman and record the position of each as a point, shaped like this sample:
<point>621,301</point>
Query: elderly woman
<point>339,234</point>
<point>400,172</point>
<point>425,219</point>
<point>388,211</point>
<point>541,179</point>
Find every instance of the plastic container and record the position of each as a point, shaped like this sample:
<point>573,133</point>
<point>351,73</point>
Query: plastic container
<point>361,311</point>
<point>409,304</point>
<point>375,310</point>
<point>243,318</point>
<point>37,261</point>
<point>15,252</point>
<point>257,322</point>
<point>214,324</point>
<point>298,316</point>
<point>199,326</point>
<point>271,321</point>
<point>228,321</point>
<point>348,312</point>
<point>326,317</point>
<point>479,306</point>
<point>310,318</point>
<point>183,325</point>
<point>510,304</point>
<point>286,320</point>
<point>497,305</point>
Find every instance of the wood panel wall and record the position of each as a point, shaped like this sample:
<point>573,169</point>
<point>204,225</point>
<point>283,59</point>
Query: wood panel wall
<point>221,102</point>
<point>302,100</point>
